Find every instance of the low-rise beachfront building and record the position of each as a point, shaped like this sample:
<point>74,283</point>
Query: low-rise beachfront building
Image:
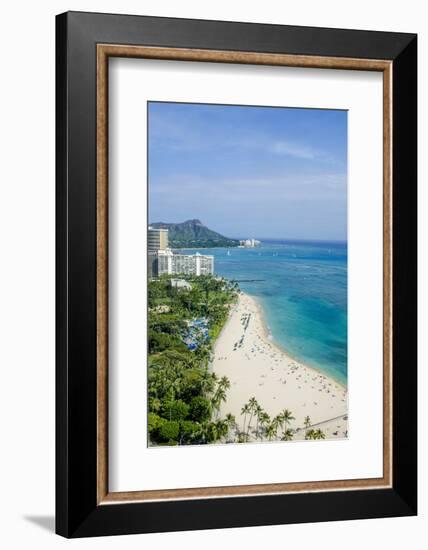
<point>180,284</point>
<point>162,308</point>
<point>249,243</point>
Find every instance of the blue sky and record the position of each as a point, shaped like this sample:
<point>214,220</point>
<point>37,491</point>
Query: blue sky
<point>249,171</point>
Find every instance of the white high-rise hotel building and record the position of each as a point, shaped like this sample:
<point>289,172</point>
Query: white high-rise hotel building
<point>187,264</point>
<point>162,261</point>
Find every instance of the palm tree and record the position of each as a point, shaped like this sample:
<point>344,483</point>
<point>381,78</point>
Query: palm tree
<point>264,420</point>
<point>277,421</point>
<point>245,410</point>
<point>259,412</point>
<point>230,421</point>
<point>224,382</point>
<point>253,407</point>
<point>222,428</point>
<point>203,352</point>
<point>212,432</point>
<point>203,432</point>
<point>287,416</point>
<point>314,434</point>
<point>319,434</point>
<point>253,403</point>
<point>271,430</point>
<point>208,381</point>
<point>219,396</point>
<point>307,421</point>
<point>310,434</point>
<point>287,435</point>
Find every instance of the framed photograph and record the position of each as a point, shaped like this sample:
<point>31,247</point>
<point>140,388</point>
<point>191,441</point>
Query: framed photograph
<point>236,274</point>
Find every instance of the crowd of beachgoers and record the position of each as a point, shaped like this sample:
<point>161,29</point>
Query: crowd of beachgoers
<point>257,368</point>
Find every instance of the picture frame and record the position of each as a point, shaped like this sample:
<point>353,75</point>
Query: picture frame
<point>84,44</point>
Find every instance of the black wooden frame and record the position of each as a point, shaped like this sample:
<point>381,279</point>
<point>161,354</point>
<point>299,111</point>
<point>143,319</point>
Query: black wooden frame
<point>77,512</point>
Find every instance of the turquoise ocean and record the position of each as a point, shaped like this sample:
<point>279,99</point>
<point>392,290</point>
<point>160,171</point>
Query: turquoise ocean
<point>302,288</point>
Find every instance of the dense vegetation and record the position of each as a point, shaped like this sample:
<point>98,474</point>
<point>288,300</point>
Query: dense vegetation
<point>184,396</point>
<point>259,425</point>
<point>194,234</point>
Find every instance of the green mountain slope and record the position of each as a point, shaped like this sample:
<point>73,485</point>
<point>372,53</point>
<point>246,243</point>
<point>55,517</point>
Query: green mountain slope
<point>193,234</point>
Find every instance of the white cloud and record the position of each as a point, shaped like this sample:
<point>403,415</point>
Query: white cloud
<point>294,150</point>
<point>249,190</point>
<point>181,135</point>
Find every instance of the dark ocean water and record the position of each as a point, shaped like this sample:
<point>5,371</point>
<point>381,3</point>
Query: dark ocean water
<point>302,287</point>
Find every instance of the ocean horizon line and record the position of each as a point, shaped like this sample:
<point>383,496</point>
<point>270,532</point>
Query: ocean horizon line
<point>277,240</point>
<point>295,240</point>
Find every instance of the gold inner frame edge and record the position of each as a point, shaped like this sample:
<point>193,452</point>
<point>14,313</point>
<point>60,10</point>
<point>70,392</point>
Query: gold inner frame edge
<point>104,52</point>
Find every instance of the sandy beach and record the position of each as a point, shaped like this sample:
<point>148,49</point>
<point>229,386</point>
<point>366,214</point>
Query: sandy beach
<point>256,367</point>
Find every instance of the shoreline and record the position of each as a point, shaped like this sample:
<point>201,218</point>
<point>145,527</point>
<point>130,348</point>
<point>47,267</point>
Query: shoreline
<point>258,367</point>
<point>282,349</point>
